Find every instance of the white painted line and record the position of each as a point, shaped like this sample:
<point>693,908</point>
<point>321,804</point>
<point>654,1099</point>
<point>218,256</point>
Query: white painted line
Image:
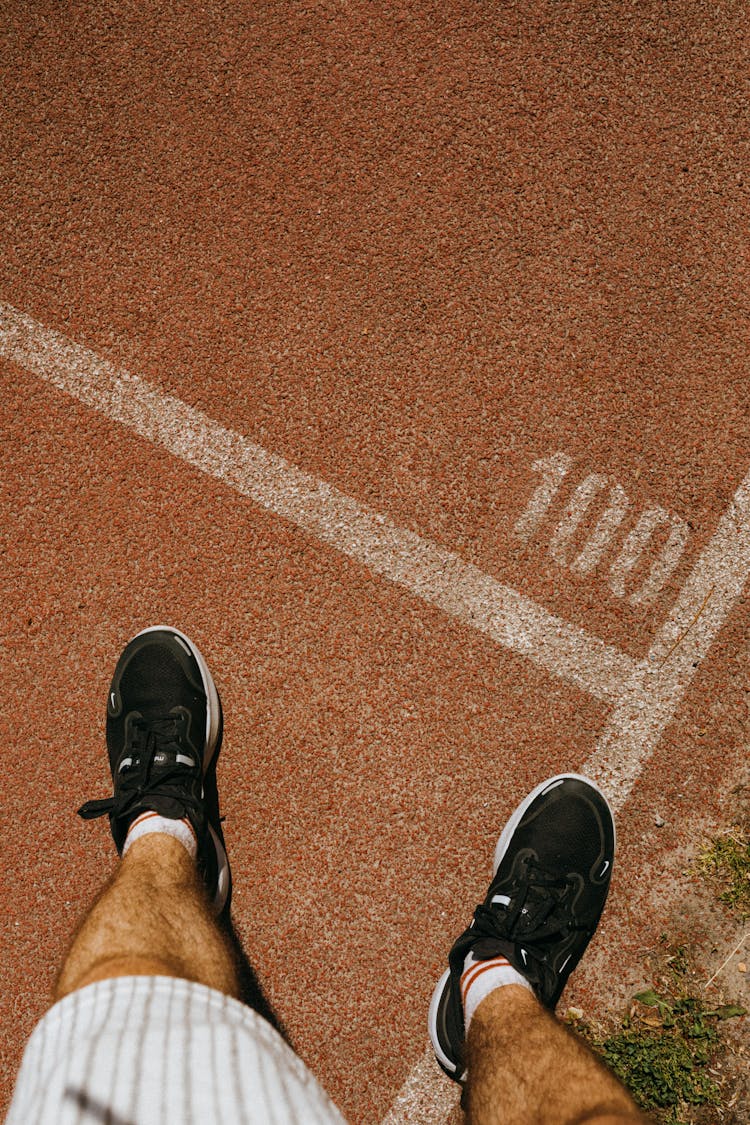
<point>426,1096</point>
<point>653,694</point>
<point>436,575</point>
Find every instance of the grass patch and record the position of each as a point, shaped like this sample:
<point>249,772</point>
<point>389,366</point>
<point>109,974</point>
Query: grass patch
<point>666,1046</point>
<point>726,860</point>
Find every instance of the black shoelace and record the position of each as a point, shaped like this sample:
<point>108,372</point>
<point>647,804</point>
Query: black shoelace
<point>145,776</point>
<point>540,908</point>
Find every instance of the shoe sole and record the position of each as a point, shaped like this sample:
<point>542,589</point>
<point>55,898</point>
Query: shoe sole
<point>213,729</point>
<point>441,993</point>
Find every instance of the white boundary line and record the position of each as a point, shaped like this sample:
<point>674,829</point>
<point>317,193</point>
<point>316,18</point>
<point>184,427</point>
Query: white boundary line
<point>436,575</point>
<point>652,696</point>
<point>644,694</point>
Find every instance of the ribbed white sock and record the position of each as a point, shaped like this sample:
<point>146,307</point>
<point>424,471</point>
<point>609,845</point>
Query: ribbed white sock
<point>480,978</point>
<point>148,822</point>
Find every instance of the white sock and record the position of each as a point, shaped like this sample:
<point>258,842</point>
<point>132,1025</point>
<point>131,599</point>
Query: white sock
<point>148,822</point>
<point>480,978</point>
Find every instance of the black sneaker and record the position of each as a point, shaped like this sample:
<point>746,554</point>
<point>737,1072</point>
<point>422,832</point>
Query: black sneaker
<point>553,864</point>
<point>164,728</point>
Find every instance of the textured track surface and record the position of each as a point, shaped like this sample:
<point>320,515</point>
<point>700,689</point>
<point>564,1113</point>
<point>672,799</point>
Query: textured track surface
<point>430,258</point>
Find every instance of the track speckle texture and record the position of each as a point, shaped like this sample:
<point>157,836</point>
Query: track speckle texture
<point>412,251</point>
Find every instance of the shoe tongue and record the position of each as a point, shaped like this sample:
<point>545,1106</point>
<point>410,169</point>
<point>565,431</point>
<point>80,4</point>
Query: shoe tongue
<point>168,752</point>
<point>160,738</point>
<point>520,914</point>
<point>169,807</point>
<point>165,755</point>
<point>488,947</point>
<point>540,909</point>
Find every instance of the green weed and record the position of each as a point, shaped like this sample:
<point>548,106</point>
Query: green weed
<point>727,860</point>
<point>665,1045</point>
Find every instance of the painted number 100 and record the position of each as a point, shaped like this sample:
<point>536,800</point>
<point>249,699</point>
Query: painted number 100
<point>603,535</point>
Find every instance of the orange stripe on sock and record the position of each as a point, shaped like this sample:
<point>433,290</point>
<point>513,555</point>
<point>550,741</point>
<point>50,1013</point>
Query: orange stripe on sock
<point>144,816</point>
<point>151,813</point>
<point>470,975</point>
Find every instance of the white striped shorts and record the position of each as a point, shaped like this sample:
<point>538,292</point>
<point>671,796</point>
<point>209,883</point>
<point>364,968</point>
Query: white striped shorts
<point>152,1050</point>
